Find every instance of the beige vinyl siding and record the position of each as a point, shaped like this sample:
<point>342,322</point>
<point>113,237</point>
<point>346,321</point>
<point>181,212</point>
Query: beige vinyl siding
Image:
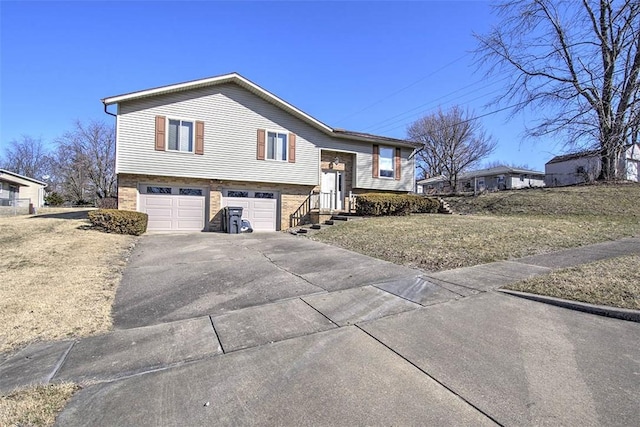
<point>363,166</point>
<point>232,116</point>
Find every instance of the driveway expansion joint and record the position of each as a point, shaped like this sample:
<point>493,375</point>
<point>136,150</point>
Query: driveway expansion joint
<point>217,335</point>
<point>377,286</point>
<point>449,389</point>
<point>319,312</point>
<point>284,269</point>
<point>63,359</point>
<point>453,283</point>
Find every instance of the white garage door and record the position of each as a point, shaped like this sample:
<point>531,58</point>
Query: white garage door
<point>173,208</point>
<point>260,208</point>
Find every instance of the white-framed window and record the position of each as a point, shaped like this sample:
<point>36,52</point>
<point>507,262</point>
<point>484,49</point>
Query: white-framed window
<point>180,135</point>
<point>158,190</point>
<point>277,145</point>
<point>168,189</point>
<point>190,192</point>
<point>386,160</point>
<point>257,194</point>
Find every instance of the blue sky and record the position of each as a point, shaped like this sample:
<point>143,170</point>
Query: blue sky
<point>364,66</point>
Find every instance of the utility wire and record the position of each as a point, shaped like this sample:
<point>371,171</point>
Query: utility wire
<point>382,127</point>
<point>403,89</point>
<point>384,123</point>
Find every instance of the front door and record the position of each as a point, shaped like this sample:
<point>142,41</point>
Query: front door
<point>331,190</point>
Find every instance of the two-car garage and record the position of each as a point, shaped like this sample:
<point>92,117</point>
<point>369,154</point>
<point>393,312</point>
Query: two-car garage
<point>183,208</point>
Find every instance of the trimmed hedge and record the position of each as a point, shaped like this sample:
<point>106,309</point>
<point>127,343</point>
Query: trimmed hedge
<point>381,204</point>
<point>120,222</point>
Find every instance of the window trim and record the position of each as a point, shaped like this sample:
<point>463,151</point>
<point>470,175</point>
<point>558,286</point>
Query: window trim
<point>393,161</point>
<point>286,145</point>
<point>175,189</point>
<point>193,134</point>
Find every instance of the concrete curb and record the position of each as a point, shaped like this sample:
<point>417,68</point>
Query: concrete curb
<point>600,310</point>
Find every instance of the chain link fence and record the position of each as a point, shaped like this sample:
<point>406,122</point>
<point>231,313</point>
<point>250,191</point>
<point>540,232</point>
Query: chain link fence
<point>12,207</point>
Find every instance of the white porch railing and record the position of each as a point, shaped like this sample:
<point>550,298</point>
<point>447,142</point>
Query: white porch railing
<point>328,201</point>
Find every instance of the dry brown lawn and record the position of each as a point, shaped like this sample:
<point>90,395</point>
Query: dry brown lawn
<point>442,242</point>
<point>35,406</point>
<point>614,282</point>
<point>601,199</point>
<point>59,279</point>
<point>512,224</point>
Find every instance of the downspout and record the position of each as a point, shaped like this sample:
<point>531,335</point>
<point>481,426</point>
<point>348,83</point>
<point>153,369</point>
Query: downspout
<point>116,160</point>
<point>106,111</point>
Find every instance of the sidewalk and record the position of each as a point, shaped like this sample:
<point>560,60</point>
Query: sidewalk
<point>356,354</point>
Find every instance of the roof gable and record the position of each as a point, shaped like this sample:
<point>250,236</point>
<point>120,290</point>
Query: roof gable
<point>573,156</point>
<point>499,170</point>
<point>15,178</point>
<point>237,79</point>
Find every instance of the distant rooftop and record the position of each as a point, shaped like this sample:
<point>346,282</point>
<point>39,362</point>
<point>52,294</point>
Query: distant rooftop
<point>571,156</point>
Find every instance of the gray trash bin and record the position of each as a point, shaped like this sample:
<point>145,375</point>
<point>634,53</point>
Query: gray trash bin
<point>233,219</point>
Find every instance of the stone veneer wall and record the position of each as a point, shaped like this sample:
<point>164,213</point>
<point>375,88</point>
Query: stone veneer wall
<point>291,195</point>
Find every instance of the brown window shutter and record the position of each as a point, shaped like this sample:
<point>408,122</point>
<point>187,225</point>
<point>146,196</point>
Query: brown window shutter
<point>199,138</point>
<point>292,148</point>
<point>161,124</point>
<point>261,144</point>
<point>376,159</point>
<point>398,164</point>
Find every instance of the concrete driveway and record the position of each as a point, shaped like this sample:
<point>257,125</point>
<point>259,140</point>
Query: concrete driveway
<point>270,329</point>
<point>175,277</point>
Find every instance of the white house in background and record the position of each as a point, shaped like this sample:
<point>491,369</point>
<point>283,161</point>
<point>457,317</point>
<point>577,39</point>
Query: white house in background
<point>491,179</point>
<point>585,166</point>
<point>187,150</point>
<point>18,189</point>
<point>435,184</point>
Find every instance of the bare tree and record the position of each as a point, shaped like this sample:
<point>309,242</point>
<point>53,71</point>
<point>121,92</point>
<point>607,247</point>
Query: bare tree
<point>576,62</point>
<point>498,163</point>
<point>27,156</point>
<point>86,161</point>
<point>453,142</point>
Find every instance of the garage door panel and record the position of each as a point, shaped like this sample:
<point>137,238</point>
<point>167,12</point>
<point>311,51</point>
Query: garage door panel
<point>158,224</point>
<point>173,212</point>
<point>190,202</point>
<point>197,215</point>
<point>237,203</point>
<point>189,224</point>
<point>152,201</point>
<point>261,213</point>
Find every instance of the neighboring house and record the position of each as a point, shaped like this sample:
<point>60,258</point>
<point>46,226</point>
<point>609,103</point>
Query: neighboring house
<point>185,151</point>
<point>17,189</point>
<point>435,184</point>
<point>585,166</point>
<point>492,179</point>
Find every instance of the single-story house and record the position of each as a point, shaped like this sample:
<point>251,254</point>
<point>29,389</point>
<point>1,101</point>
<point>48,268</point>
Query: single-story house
<point>20,190</point>
<point>492,179</point>
<point>434,184</point>
<point>585,166</point>
<point>187,150</point>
